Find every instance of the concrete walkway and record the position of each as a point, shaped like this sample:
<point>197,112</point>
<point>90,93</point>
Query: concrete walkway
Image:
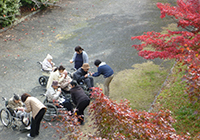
<point>102,27</point>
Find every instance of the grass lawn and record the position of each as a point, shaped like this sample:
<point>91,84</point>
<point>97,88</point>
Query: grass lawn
<point>139,85</point>
<point>174,98</point>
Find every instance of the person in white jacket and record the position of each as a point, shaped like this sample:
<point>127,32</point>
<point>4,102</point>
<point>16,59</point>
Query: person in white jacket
<point>47,63</point>
<point>53,92</point>
<point>56,75</point>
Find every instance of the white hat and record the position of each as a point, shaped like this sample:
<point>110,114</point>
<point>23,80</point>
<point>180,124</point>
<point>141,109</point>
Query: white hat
<point>49,57</point>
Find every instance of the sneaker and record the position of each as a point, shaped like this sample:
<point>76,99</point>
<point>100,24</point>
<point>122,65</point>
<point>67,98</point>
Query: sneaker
<point>29,135</point>
<point>14,126</point>
<point>28,127</point>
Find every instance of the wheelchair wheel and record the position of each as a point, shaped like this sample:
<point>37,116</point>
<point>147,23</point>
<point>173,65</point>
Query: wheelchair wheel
<point>51,112</point>
<point>6,117</point>
<point>45,101</point>
<point>43,80</point>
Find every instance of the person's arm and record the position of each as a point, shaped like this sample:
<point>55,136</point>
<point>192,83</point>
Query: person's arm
<point>61,78</point>
<point>73,58</point>
<point>66,82</point>
<point>56,94</point>
<point>28,105</point>
<point>85,57</point>
<point>96,74</point>
<point>78,76</point>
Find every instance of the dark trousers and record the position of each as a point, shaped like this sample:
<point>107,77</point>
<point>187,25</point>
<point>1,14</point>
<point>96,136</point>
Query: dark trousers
<point>80,110</point>
<point>89,82</point>
<point>35,123</point>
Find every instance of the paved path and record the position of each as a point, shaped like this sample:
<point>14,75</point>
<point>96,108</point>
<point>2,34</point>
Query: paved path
<point>102,27</point>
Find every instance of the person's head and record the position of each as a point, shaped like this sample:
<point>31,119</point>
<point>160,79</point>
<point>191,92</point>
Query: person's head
<point>78,50</point>
<point>16,98</point>
<point>25,96</point>
<point>85,67</point>
<point>73,84</point>
<point>97,62</point>
<point>55,84</point>
<point>61,69</point>
<point>65,73</point>
<point>49,57</point>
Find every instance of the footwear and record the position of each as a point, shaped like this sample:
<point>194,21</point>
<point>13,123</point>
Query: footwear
<point>29,135</point>
<point>14,126</point>
<point>28,127</point>
<point>82,123</point>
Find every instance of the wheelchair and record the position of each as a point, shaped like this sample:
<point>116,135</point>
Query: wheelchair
<point>82,84</point>
<point>10,119</point>
<point>54,109</point>
<point>45,76</point>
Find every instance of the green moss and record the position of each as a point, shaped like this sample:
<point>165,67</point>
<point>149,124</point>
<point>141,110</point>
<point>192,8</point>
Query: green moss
<point>139,85</point>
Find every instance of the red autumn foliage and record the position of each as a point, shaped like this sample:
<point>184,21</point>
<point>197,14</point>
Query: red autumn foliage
<point>118,121</point>
<point>184,46</point>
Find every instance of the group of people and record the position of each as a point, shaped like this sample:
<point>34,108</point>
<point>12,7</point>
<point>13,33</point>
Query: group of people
<point>82,74</point>
<point>32,104</point>
<point>80,59</point>
<point>59,81</point>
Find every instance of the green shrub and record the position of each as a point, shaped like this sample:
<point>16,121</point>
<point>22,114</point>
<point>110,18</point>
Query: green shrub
<point>27,3</point>
<point>8,11</point>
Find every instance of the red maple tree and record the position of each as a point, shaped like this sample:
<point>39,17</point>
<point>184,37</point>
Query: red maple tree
<point>184,46</point>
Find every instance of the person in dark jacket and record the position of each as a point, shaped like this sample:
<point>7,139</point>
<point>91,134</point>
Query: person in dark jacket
<point>80,99</point>
<point>106,71</point>
<point>82,75</point>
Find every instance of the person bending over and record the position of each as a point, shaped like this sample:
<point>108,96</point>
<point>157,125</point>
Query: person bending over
<point>38,110</point>
<point>80,99</point>
<point>106,71</point>
<point>57,75</point>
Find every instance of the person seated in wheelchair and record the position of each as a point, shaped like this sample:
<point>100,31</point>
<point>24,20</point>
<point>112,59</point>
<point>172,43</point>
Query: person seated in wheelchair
<point>82,75</point>
<point>47,64</point>
<point>14,104</point>
<point>16,108</point>
<point>65,83</point>
<point>53,95</point>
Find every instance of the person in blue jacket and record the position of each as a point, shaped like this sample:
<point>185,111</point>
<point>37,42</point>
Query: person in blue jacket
<point>79,58</point>
<point>106,71</point>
